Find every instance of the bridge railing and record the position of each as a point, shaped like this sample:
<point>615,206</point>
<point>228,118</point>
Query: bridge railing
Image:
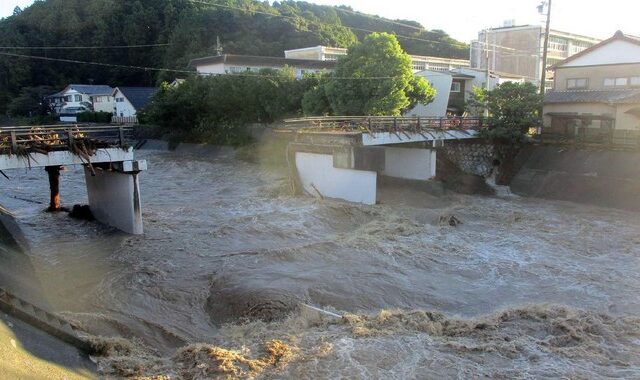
<point>46,138</point>
<point>375,124</point>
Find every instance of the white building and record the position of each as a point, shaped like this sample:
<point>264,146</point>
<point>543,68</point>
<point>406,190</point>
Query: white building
<point>419,62</point>
<point>76,98</point>
<point>230,63</point>
<point>130,100</point>
<point>441,82</point>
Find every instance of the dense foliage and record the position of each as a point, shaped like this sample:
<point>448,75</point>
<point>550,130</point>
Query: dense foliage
<point>375,78</point>
<point>94,117</point>
<point>216,109</point>
<point>513,109</point>
<point>190,29</point>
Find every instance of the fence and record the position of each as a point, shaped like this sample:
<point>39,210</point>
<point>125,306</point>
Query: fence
<point>372,124</point>
<point>578,135</point>
<point>124,120</point>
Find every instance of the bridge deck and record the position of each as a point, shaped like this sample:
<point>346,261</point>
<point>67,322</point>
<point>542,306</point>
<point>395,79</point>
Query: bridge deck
<point>56,145</point>
<point>383,130</point>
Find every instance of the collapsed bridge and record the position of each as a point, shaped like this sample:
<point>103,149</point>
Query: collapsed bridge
<point>341,157</point>
<point>106,152</point>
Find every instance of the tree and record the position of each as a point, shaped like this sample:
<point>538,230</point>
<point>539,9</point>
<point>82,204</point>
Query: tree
<point>513,109</point>
<point>31,102</point>
<point>374,78</point>
<point>216,109</point>
<point>17,10</point>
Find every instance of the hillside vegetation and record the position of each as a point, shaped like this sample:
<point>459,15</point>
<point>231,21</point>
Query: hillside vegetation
<point>189,27</point>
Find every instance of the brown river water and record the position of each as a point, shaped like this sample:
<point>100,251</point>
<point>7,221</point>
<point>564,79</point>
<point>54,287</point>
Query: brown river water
<point>524,288</point>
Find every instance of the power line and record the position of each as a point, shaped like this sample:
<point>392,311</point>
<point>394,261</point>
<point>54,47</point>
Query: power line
<point>80,47</point>
<point>344,26</point>
<point>145,68</point>
<point>95,63</point>
<point>311,21</point>
<point>393,22</point>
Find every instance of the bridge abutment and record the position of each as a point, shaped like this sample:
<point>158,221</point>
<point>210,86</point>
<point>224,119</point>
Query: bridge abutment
<point>114,195</point>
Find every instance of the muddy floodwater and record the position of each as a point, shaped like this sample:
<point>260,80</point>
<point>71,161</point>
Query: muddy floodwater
<point>523,288</point>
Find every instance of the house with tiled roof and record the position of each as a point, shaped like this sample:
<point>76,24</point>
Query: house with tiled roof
<point>597,92</point>
<point>131,100</point>
<point>77,98</point>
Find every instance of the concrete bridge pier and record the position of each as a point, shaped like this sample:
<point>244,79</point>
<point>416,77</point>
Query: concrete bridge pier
<point>114,194</point>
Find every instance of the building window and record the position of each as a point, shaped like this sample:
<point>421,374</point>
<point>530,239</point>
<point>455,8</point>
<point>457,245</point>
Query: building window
<point>68,98</point>
<point>557,44</point>
<point>618,82</point>
<point>578,46</point>
<point>455,87</point>
<point>119,100</point>
<point>332,57</point>
<point>78,98</point>
<point>634,81</point>
<point>438,66</point>
<point>577,83</point>
<point>621,81</point>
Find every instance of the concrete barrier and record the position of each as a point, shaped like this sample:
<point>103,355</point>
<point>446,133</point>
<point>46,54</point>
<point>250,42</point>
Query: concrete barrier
<point>599,177</point>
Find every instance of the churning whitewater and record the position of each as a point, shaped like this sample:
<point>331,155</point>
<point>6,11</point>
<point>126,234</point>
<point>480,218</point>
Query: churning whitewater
<point>522,288</point>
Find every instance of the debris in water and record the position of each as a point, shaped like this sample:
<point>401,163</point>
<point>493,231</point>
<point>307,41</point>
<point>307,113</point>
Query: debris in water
<point>82,212</point>
<point>450,220</point>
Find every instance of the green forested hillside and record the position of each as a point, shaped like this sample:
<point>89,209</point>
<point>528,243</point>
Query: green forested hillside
<point>190,29</point>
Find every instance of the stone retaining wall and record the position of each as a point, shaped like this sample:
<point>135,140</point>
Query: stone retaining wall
<point>471,157</point>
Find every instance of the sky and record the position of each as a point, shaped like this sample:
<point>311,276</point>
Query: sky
<point>462,19</point>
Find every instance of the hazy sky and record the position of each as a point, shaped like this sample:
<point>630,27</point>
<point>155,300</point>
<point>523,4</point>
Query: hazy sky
<point>464,18</point>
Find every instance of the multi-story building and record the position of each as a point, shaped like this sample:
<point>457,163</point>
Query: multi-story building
<point>517,50</point>
<point>230,63</point>
<point>597,92</point>
<point>419,62</point>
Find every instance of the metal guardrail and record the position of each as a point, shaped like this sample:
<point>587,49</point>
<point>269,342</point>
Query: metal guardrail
<point>603,137</point>
<point>62,137</point>
<point>372,124</point>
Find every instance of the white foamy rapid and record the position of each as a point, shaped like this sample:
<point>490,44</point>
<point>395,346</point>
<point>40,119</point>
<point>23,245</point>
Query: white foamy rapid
<point>522,288</point>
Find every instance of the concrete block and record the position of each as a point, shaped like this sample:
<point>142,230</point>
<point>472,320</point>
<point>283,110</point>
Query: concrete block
<point>408,163</point>
<point>114,199</point>
<point>319,177</point>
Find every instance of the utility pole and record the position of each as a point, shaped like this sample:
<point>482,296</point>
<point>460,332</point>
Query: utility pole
<point>485,113</point>
<point>546,44</point>
<point>218,46</point>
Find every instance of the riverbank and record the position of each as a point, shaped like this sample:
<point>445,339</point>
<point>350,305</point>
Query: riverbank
<point>27,352</point>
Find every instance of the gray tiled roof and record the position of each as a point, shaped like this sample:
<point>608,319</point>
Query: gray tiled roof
<point>91,89</point>
<point>594,96</point>
<point>138,96</point>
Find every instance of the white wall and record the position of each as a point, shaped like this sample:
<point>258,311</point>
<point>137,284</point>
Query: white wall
<point>222,68</point>
<point>438,108</point>
<point>106,105</point>
<point>419,164</point>
<point>124,108</point>
<point>316,170</point>
<point>114,199</point>
<point>615,52</point>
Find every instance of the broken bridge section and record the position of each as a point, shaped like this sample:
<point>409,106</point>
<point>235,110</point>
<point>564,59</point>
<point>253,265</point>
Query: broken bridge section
<point>342,157</point>
<point>106,152</point>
